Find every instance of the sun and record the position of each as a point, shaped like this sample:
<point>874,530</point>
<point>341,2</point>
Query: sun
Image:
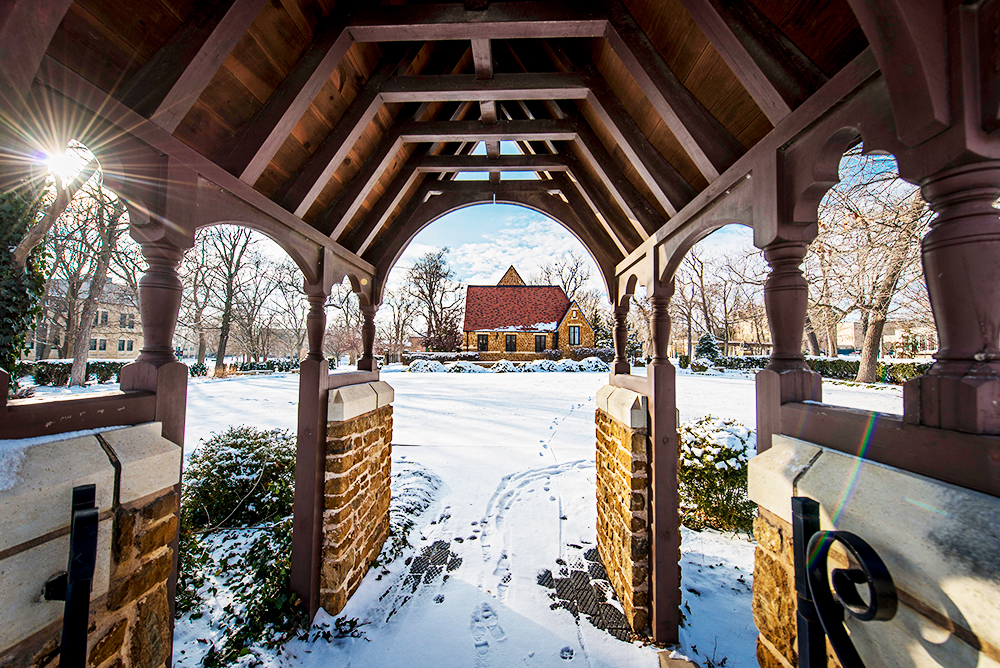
<point>69,163</point>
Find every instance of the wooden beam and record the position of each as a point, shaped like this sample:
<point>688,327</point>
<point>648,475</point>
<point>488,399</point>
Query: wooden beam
<point>621,219</point>
<point>168,84</point>
<point>361,237</point>
<point>258,141</point>
<point>56,79</point>
<point>582,197</point>
<point>482,57</point>
<point>774,71</point>
<point>463,87</point>
<point>667,184</point>
<point>300,191</point>
<point>500,20</point>
<point>503,163</point>
<point>712,147</point>
<point>473,131</point>
<point>26,28</point>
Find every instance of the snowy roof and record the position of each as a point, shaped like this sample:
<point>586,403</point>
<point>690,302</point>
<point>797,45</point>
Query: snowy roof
<point>529,308</point>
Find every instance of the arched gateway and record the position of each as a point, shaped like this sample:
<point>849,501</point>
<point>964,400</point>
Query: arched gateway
<point>338,134</point>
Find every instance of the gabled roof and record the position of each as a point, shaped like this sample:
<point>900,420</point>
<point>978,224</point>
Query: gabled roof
<point>528,308</point>
<point>511,277</point>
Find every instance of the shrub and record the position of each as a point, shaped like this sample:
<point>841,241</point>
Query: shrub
<point>105,371</point>
<point>238,478</point>
<point>540,365</point>
<point>52,373</point>
<point>712,475</point>
<point>426,366</point>
<point>605,354</point>
<point>198,369</point>
<point>567,365</point>
<point>504,366</point>
<point>683,361</point>
<point>595,364</point>
<point>554,354</point>
<point>409,358</point>
<point>707,347</point>
<point>462,366</point>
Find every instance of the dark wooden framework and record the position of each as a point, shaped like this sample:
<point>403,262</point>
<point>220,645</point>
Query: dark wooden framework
<point>338,131</point>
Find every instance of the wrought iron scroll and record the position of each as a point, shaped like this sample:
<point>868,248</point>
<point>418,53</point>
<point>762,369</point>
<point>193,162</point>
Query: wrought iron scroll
<point>821,608</point>
<point>75,585</point>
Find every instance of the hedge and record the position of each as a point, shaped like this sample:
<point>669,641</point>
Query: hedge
<point>57,373</point>
<point>407,358</point>
<point>895,373</point>
<point>604,354</point>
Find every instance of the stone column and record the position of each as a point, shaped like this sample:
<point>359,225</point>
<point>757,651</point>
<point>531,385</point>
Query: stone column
<point>620,334</point>
<point>664,502</point>
<point>367,361</point>
<point>961,257</point>
<point>310,455</point>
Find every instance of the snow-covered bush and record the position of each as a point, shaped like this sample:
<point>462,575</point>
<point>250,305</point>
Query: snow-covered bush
<point>238,478</point>
<point>462,366</point>
<point>567,365</point>
<point>198,369</point>
<point>540,365</point>
<point>713,474</point>
<point>707,347</point>
<point>595,364</point>
<point>427,366</point>
<point>505,366</point>
<point>701,364</point>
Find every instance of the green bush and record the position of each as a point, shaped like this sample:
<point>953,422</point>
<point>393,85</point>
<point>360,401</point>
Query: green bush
<point>51,373</point>
<point>198,369</point>
<point>102,372</point>
<point>707,347</point>
<point>239,478</point>
<point>683,361</point>
<point>712,475</point>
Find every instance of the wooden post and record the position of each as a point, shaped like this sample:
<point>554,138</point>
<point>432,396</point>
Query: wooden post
<point>367,361</point>
<point>961,256</point>
<point>787,376</point>
<point>620,334</point>
<point>307,518</point>
<point>665,584</point>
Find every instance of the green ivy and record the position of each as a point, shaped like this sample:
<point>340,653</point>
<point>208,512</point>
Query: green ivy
<point>20,289</point>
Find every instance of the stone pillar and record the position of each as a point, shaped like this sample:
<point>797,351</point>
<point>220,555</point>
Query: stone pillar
<point>664,501</point>
<point>367,361</point>
<point>621,364</point>
<point>961,257</point>
<point>310,453</point>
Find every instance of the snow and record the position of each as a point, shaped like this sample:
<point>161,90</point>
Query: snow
<point>512,457</point>
<point>12,451</point>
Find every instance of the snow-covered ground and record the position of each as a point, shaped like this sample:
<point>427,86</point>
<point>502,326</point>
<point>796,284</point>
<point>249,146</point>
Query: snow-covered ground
<point>514,457</point>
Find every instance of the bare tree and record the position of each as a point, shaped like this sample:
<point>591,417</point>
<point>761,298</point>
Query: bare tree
<point>343,332</point>
<point>253,313</point>
<point>398,312</point>
<point>570,272</point>
<point>430,281</point>
<point>230,245</point>
<point>291,305</point>
<point>199,278</point>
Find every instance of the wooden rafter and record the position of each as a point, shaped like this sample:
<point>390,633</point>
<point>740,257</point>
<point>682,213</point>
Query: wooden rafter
<point>712,147</point>
<point>503,163</point>
<point>500,20</point>
<point>774,71</point>
<point>623,235</point>
<point>26,28</point>
<point>257,143</point>
<point>466,87</point>
<point>168,84</point>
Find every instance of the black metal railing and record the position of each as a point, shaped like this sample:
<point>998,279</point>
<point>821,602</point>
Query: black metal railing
<point>825,596</point>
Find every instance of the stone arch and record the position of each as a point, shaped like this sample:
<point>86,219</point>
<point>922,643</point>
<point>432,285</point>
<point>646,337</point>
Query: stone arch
<point>438,206</point>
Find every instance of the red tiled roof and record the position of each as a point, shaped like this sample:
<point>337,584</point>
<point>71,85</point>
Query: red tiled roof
<point>491,307</point>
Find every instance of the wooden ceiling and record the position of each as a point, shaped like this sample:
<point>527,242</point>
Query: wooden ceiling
<point>356,117</point>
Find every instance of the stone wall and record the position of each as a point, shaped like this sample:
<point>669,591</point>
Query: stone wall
<point>623,498</point>
<point>356,515</point>
<point>940,544</point>
<point>134,470</point>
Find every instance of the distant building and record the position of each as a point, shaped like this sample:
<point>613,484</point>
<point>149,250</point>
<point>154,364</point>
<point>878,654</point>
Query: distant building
<point>900,338</point>
<point>116,331</point>
<point>520,322</point>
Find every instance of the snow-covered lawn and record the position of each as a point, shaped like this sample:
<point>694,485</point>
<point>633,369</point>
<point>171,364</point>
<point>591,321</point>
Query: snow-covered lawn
<point>513,460</point>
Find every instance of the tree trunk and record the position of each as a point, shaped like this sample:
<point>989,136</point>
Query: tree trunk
<point>202,346</point>
<point>227,314</point>
<point>877,317</point>
<point>831,340</point>
<point>811,339</point>
<point>81,344</point>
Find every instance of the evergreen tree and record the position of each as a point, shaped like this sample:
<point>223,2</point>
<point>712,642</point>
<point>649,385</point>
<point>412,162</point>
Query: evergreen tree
<point>20,289</point>
<point>707,348</point>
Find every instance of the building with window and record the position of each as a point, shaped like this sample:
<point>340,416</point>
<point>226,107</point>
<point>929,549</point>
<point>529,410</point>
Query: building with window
<point>116,331</point>
<point>515,321</point>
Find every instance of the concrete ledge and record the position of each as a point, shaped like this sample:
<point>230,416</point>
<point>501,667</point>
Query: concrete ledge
<point>940,542</point>
<point>773,473</point>
<point>41,499</point>
<point>628,407</point>
<point>23,576</point>
<point>149,462</point>
<point>347,403</point>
